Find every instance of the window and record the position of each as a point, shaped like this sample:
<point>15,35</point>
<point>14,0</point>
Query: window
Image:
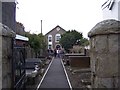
<point>49,46</point>
<point>57,37</point>
<point>58,28</point>
<point>50,38</point>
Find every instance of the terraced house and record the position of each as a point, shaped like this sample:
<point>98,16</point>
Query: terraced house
<point>54,36</point>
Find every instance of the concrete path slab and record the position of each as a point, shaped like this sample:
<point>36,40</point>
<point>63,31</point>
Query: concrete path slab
<point>55,77</point>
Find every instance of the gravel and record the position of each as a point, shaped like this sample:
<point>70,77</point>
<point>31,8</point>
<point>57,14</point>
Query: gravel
<point>76,76</point>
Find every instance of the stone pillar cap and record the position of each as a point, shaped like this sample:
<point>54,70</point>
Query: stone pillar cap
<point>6,31</point>
<point>109,26</point>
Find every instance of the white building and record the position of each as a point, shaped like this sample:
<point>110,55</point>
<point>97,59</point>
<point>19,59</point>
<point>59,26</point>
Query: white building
<point>111,9</point>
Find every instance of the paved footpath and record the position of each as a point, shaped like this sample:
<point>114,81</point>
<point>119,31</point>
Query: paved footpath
<point>55,77</point>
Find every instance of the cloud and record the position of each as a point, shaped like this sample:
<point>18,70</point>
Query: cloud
<point>81,15</point>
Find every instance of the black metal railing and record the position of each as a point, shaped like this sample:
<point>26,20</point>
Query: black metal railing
<point>18,65</point>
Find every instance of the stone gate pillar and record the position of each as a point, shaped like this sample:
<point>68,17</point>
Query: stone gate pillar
<point>105,54</point>
<point>6,50</point>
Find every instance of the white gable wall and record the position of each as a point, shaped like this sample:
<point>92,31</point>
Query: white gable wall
<point>114,13</point>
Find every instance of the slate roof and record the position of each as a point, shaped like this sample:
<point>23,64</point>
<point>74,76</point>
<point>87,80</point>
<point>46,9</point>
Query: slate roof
<point>54,29</point>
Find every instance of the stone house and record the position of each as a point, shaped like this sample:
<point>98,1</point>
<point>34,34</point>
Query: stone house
<point>54,36</point>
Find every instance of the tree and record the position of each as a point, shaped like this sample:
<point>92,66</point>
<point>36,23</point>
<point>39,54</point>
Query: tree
<point>84,42</point>
<point>69,39</point>
<point>43,44</point>
<point>37,42</point>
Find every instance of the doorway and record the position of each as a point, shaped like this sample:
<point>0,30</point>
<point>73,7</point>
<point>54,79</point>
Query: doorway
<point>58,46</point>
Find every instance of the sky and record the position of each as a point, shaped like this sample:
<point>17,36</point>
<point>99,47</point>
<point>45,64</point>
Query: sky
<point>81,15</point>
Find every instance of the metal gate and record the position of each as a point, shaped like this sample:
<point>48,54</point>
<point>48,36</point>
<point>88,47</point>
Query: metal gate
<point>18,68</point>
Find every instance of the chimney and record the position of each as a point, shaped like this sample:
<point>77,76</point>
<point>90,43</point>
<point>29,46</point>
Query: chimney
<point>41,26</point>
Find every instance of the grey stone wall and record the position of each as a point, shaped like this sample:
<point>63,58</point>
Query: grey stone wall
<point>29,52</point>
<point>20,29</point>
<point>105,53</point>
<point>8,14</point>
<point>6,42</point>
<point>0,11</point>
<point>0,59</point>
<point>7,25</point>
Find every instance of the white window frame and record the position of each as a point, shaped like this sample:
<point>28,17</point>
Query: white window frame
<point>49,46</point>
<point>49,36</point>
<point>56,37</point>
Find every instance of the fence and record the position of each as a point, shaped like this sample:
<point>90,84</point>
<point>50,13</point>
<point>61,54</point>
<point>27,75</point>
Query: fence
<point>18,69</point>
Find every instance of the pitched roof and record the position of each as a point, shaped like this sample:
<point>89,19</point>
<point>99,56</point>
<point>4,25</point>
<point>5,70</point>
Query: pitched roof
<point>54,28</point>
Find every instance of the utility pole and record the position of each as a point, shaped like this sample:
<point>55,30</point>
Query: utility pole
<point>41,26</point>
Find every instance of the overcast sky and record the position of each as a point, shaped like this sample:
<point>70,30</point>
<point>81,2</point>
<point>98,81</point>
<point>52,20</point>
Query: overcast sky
<point>80,15</point>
